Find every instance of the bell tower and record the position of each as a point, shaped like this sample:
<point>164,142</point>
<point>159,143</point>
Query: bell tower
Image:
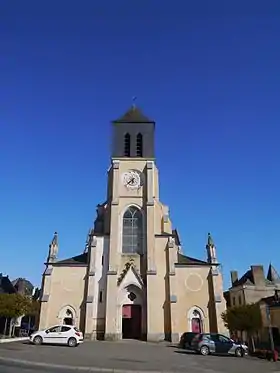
<point>132,191</point>
<point>133,136</point>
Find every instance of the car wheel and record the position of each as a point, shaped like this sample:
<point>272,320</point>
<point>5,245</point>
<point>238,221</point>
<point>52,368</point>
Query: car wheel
<point>72,342</point>
<point>38,340</point>
<point>204,350</point>
<point>239,352</point>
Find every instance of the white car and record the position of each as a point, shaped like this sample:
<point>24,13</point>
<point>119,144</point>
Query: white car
<point>59,334</point>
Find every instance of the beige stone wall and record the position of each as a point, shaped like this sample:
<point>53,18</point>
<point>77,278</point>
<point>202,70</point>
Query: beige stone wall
<point>249,294</point>
<point>220,306</point>
<point>253,294</point>
<point>192,291</point>
<point>275,317</point>
<point>156,289</point>
<point>66,288</point>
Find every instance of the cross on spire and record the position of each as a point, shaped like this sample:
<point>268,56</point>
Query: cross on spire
<point>134,98</point>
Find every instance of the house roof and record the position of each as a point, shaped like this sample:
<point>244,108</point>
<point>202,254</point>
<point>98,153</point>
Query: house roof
<point>187,260</point>
<point>23,286</point>
<point>78,260</point>
<point>272,274</point>
<point>133,115</point>
<point>247,279</point>
<point>273,300</point>
<point>6,286</point>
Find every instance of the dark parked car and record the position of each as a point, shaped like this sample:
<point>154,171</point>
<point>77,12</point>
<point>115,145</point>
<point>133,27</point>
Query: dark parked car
<point>186,340</point>
<point>211,343</point>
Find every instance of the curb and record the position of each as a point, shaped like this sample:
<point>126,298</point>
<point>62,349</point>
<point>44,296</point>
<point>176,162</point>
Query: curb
<point>77,369</point>
<point>9,340</point>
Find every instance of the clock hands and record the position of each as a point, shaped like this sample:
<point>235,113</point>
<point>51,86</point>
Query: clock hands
<point>131,181</point>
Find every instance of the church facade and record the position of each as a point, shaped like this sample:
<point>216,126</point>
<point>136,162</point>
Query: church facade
<point>133,281</point>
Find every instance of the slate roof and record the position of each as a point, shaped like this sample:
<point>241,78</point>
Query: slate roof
<point>133,115</point>
<point>247,279</point>
<point>78,260</point>
<point>187,260</point>
<point>272,274</point>
<point>6,286</point>
<point>23,286</point>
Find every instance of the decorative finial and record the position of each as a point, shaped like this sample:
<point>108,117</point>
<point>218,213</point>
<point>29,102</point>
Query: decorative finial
<point>211,250</point>
<point>134,98</point>
<point>210,241</point>
<point>53,248</point>
<point>55,239</point>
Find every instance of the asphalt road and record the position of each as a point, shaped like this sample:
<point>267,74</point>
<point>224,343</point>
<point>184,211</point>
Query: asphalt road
<point>125,355</point>
<point>6,368</point>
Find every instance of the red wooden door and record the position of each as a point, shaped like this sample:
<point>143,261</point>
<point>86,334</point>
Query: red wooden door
<point>196,325</point>
<point>131,321</point>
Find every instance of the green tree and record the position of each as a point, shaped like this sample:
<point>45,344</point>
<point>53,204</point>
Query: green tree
<point>12,306</point>
<point>33,312</point>
<point>243,318</point>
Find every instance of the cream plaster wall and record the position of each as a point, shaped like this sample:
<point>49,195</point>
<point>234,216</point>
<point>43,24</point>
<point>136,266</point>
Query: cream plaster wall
<point>101,250</point>
<point>192,291</point>
<point>157,293</point>
<point>66,289</point>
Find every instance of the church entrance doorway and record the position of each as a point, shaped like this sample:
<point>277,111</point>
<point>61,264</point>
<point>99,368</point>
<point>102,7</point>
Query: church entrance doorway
<point>66,316</point>
<point>68,321</point>
<point>195,321</point>
<point>131,321</point>
<point>196,325</point>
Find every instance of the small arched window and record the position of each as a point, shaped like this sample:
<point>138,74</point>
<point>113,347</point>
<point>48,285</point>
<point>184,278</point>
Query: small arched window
<point>127,145</point>
<point>132,231</point>
<point>139,145</point>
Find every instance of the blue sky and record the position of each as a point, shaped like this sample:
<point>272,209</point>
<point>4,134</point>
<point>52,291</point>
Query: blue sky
<point>206,71</point>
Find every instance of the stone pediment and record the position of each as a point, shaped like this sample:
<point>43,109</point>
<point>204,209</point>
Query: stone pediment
<point>130,276</point>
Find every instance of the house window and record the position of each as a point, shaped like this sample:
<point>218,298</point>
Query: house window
<point>233,301</point>
<point>102,260</point>
<point>132,231</point>
<point>240,300</point>
<point>139,145</point>
<point>127,145</point>
<point>100,297</point>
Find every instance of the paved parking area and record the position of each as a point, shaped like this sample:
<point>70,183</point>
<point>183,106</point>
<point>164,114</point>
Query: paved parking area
<point>136,356</point>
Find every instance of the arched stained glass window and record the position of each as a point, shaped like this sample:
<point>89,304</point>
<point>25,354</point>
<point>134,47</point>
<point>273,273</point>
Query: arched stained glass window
<point>132,231</point>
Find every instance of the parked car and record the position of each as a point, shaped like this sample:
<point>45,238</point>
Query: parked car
<point>213,343</point>
<point>59,334</point>
<point>186,340</point>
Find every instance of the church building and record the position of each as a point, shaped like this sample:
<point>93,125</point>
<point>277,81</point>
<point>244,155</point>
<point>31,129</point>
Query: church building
<point>133,280</point>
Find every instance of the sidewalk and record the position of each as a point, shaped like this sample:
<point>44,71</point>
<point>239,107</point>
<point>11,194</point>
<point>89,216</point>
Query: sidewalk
<point>9,340</point>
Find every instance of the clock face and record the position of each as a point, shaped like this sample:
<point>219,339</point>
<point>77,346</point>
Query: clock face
<point>132,179</point>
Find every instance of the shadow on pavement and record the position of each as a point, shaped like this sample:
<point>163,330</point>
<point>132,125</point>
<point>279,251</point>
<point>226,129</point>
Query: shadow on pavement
<point>190,352</point>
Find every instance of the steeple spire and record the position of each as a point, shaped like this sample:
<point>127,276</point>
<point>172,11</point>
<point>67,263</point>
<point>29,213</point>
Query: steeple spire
<point>211,250</point>
<point>53,249</point>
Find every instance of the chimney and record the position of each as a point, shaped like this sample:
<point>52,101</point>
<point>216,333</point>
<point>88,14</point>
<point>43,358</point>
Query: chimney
<point>234,277</point>
<point>258,275</point>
